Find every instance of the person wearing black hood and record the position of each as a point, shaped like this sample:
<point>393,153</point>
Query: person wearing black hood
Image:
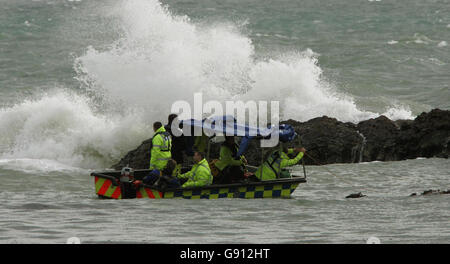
<point>178,141</point>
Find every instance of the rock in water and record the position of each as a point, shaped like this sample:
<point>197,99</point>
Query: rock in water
<point>431,191</point>
<point>138,158</point>
<point>380,134</point>
<point>356,195</point>
<point>427,136</point>
<point>328,140</point>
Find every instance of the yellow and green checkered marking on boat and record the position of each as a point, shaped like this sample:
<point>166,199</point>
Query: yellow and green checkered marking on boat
<point>246,192</point>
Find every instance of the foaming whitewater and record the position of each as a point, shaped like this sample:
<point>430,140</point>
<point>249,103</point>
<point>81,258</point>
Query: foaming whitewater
<point>60,130</point>
<point>162,57</point>
<point>39,165</point>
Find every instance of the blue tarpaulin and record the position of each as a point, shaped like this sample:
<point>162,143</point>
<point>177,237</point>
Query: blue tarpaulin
<point>227,125</point>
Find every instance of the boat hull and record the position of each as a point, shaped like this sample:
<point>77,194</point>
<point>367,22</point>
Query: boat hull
<point>109,187</point>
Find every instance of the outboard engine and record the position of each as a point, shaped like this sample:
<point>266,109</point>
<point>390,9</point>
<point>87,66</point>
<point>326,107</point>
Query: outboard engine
<point>127,174</point>
<point>127,187</point>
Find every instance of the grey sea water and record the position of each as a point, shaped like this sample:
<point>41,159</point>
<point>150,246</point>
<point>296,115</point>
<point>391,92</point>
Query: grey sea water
<point>60,205</point>
<point>81,82</point>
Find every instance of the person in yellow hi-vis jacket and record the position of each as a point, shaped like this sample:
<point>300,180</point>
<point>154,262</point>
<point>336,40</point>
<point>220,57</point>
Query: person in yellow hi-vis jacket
<point>271,168</point>
<point>161,146</point>
<point>200,174</point>
<point>229,165</point>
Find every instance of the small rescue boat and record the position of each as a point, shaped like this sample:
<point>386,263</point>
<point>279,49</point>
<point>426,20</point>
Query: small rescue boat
<point>109,185</point>
<point>114,185</point>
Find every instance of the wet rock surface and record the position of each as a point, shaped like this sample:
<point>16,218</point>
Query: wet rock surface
<point>431,192</point>
<point>380,134</point>
<point>356,195</point>
<point>331,141</point>
<point>328,140</point>
<point>428,136</point>
<point>138,158</point>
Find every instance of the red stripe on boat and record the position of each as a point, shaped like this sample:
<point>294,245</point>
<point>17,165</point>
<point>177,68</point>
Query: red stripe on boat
<point>96,179</point>
<point>116,193</point>
<point>104,187</point>
<point>138,193</point>
<point>150,193</point>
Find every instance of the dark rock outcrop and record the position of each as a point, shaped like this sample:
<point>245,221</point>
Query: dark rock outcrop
<point>138,158</point>
<point>356,195</point>
<point>331,141</point>
<point>328,140</point>
<point>431,192</point>
<point>380,139</point>
<point>427,136</point>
